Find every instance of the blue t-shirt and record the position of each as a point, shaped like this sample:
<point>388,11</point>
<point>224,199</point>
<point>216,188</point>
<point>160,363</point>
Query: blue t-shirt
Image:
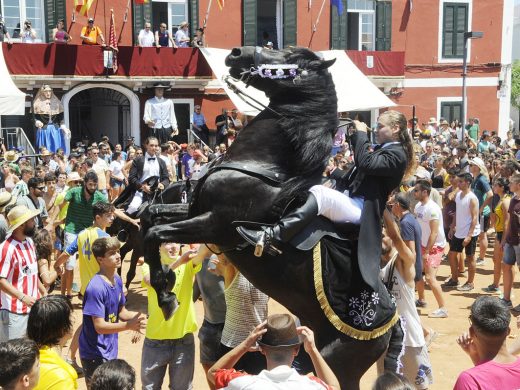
<point>480,187</point>
<point>411,231</point>
<point>105,301</point>
<point>198,119</point>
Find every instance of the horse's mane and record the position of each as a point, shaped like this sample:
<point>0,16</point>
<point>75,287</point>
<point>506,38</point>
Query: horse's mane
<point>309,122</point>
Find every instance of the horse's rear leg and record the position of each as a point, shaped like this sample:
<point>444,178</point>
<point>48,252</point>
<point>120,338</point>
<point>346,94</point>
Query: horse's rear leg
<point>195,230</point>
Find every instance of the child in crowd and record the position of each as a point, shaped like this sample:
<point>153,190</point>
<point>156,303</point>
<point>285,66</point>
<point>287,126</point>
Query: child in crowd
<point>115,374</point>
<point>103,308</point>
<point>43,246</point>
<point>20,368</point>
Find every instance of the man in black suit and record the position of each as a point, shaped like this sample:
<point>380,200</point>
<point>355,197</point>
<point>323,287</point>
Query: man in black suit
<point>147,174</point>
<point>369,183</point>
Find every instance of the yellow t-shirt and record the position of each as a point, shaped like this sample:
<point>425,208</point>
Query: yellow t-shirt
<point>55,373</point>
<point>184,320</point>
<point>88,265</point>
<point>92,33</point>
<point>500,219</point>
<point>57,202</point>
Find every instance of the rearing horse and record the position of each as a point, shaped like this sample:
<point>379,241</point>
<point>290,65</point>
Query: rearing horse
<point>275,160</point>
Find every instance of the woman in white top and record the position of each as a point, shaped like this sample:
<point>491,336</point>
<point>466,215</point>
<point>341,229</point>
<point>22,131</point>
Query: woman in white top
<point>28,34</point>
<point>117,178</point>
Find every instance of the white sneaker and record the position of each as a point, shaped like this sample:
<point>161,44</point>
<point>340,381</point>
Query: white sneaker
<point>439,313</point>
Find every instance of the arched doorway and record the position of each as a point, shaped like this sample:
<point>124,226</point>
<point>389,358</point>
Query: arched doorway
<point>95,112</point>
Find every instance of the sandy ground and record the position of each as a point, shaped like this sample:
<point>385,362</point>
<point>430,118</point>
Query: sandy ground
<point>447,358</point>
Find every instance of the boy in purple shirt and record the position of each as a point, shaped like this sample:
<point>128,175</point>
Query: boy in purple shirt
<point>495,366</point>
<point>103,307</point>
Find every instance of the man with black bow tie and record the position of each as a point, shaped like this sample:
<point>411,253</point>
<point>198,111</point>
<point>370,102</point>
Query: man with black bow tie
<point>144,171</point>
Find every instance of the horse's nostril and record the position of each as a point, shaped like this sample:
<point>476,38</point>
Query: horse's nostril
<point>236,52</point>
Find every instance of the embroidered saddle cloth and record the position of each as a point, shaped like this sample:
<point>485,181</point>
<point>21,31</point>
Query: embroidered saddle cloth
<point>351,306</point>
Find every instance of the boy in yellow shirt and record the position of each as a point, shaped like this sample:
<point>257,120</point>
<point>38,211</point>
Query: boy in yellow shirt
<point>171,343</point>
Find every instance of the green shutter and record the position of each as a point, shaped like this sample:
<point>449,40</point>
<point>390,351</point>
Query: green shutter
<point>250,15</point>
<point>384,25</point>
<point>289,22</point>
<point>141,13</point>
<point>194,16</point>
<point>455,23</point>
<point>338,27</point>
<point>54,11</point>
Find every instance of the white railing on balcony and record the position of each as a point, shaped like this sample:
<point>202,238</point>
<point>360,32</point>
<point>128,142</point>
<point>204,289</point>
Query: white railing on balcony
<point>15,137</point>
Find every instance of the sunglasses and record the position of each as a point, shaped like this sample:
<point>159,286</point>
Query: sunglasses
<point>40,188</point>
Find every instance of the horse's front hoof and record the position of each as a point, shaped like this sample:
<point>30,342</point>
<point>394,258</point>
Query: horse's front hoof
<point>169,305</point>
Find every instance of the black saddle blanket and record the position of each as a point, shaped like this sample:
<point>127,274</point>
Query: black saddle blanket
<point>352,306</point>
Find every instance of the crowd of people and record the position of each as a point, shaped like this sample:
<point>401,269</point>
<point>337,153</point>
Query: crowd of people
<point>91,34</point>
<point>55,209</point>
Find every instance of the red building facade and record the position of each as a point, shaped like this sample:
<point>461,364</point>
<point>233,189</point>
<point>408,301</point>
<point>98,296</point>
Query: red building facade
<point>411,49</point>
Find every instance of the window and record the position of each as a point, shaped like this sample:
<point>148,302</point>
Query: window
<point>361,25</point>
<point>454,25</point>
<point>16,12</point>
<point>451,111</point>
<point>177,12</point>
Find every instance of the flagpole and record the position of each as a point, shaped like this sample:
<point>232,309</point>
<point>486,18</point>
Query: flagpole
<point>125,18</point>
<point>207,14</point>
<point>315,26</point>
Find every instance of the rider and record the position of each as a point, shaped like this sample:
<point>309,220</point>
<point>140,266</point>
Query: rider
<point>375,175</point>
<point>146,170</point>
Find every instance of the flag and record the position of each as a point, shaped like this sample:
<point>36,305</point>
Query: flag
<point>339,5</point>
<point>112,41</point>
<point>82,6</point>
<point>220,4</point>
<point>142,1</point>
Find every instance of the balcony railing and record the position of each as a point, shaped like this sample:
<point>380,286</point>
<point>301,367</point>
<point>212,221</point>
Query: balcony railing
<point>379,63</point>
<point>15,137</point>
<point>74,60</point>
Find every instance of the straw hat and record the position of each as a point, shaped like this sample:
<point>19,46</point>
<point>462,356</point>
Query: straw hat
<point>432,121</point>
<point>281,332</point>
<point>46,153</point>
<point>11,156</point>
<point>479,163</point>
<point>183,24</point>
<point>444,122</point>
<point>19,215</point>
<point>6,199</point>
<point>73,176</point>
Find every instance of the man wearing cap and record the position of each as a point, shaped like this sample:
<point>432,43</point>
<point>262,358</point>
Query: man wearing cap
<point>20,286</point>
<point>182,36</point>
<point>279,340</point>
<point>159,115</point>
<point>90,34</point>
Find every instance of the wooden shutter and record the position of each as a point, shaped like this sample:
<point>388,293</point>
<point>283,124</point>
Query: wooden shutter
<point>141,13</point>
<point>249,20</point>
<point>338,27</point>
<point>289,22</point>
<point>194,16</point>
<point>455,23</point>
<point>384,25</point>
<point>54,11</point>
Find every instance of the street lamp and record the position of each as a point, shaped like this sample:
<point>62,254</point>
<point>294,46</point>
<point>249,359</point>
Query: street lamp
<point>467,36</point>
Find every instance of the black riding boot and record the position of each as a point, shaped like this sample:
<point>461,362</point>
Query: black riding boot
<point>268,236</point>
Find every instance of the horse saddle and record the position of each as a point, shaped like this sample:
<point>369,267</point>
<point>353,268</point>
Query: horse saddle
<point>321,227</point>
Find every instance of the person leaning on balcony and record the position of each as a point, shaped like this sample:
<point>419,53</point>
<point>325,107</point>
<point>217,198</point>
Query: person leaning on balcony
<point>3,31</point>
<point>59,34</point>
<point>163,37</point>
<point>28,34</point>
<point>91,33</point>
<point>182,36</point>
<point>146,37</point>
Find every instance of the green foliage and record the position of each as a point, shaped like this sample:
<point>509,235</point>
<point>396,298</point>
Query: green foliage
<point>515,84</point>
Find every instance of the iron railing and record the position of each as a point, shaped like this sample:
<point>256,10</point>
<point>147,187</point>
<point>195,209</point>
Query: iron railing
<point>15,137</point>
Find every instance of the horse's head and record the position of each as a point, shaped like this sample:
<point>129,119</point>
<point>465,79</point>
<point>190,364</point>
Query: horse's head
<point>273,71</point>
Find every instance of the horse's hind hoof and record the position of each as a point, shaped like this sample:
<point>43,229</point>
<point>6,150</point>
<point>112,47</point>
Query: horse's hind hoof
<point>169,306</point>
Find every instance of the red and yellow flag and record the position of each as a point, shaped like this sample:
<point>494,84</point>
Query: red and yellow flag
<point>142,1</point>
<point>221,4</point>
<point>82,6</point>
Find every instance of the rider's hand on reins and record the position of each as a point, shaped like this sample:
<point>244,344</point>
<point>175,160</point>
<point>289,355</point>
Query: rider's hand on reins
<point>360,126</point>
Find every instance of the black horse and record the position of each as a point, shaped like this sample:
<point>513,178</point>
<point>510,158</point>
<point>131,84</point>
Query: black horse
<point>269,169</point>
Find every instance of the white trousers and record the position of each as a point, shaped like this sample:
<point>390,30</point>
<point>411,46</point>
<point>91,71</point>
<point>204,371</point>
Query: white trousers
<point>136,202</point>
<point>336,206</point>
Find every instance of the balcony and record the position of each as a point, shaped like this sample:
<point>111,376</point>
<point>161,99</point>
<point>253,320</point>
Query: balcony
<point>60,61</point>
<point>379,64</point>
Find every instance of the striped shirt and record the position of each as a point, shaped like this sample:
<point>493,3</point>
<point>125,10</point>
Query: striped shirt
<point>18,265</point>
<point>79,213</point>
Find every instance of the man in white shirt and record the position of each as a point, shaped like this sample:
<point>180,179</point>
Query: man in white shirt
<point>103,173</point>
<point>464,232</point>
<point>159,115</point>
<point>433,241</point>
<point>146,37</point>
<point>182,36</point>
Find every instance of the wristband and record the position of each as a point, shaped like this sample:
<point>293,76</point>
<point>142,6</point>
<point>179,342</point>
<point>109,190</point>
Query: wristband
<point>21,299</point>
